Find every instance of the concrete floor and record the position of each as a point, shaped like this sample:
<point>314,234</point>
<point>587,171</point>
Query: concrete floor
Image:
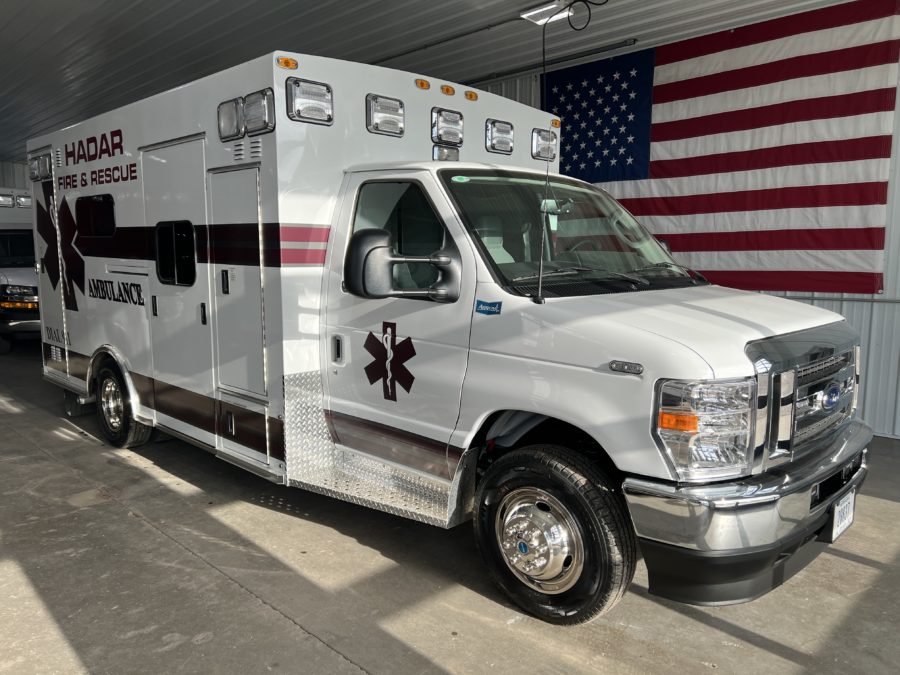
<point>164,559</point>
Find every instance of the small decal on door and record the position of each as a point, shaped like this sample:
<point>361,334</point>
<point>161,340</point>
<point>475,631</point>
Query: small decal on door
<point>389,359</point>
<point>488,308</point>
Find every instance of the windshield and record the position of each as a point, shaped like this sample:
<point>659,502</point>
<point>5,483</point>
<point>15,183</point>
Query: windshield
<point>16,248</point>
<point>588,241</point>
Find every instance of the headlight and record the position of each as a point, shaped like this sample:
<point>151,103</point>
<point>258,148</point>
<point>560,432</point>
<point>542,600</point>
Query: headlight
<point>704,427</point>
<point>17,290</point>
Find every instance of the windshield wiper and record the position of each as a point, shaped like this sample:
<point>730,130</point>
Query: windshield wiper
<point>694,274</point>
<point>563,271</point>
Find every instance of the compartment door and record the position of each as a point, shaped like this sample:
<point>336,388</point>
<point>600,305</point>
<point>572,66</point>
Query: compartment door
<point>235,256</point>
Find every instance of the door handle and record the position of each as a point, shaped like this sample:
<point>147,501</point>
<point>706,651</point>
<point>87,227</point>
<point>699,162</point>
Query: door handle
<point>225,287</point>
<point>203,313</point>
<point>337,348</point>
<point>153,304</point>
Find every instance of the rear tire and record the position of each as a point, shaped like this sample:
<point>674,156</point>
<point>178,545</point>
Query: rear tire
<point>114,411</point>
<point>555,534</point>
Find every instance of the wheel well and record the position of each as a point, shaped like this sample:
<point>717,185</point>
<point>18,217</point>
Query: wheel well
<point>496,438</point>
<point>101,361</point>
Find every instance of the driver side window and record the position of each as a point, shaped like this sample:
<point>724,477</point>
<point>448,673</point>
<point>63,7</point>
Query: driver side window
<point>402,209</point>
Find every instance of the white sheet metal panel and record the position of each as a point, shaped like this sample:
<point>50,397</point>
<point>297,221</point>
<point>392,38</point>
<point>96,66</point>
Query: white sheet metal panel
<point>63,63</point>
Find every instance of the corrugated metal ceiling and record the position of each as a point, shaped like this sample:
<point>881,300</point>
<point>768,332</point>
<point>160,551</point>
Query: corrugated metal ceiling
<point>63,62</point>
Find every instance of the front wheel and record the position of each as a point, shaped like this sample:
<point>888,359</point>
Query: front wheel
<point>114,411</point>
<point>555,534</point>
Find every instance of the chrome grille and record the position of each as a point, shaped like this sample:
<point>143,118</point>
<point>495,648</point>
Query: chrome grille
<point>824,396</point>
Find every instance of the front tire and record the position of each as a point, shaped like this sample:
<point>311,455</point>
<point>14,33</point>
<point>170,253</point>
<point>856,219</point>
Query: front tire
<point>114,411</point>
<point>555,534</point>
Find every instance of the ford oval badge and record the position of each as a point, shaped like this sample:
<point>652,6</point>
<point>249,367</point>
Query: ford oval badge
<point>830,396</point>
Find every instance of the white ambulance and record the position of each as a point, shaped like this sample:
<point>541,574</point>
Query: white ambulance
<point>18,280</point>
<point>376,286</point>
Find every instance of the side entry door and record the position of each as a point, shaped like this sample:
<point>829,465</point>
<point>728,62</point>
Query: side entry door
<point>180,326</point>
<point>395,366</point>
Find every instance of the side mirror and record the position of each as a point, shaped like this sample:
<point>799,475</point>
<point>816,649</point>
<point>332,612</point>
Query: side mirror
<point>369,269</point>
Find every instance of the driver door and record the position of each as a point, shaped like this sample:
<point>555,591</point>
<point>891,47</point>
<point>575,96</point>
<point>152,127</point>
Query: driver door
<point>395,366</point>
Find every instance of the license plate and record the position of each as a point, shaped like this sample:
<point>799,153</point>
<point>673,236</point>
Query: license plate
<point>843,514</point>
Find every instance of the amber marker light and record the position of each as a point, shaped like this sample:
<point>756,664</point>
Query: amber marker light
<point>447,89</point>
<point>287,63</point>
<point>18,305</point>
<point>555,124</point>
<point>679,421</point>
<point>471,95</point>
<point>423,84</point>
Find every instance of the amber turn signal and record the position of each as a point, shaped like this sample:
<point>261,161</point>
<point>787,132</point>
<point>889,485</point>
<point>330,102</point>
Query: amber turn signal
<point>679,421</point>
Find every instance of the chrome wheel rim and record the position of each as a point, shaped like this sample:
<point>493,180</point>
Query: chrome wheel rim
<point>111,403</point>
<point>540,540</point>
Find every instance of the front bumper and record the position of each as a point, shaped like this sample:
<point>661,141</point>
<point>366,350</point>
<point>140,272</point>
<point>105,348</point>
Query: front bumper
<point>20,323</point>
<point>732,542</point>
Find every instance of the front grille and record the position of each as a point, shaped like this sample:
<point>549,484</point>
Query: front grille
<point>807,384</point>
<point>823,397</point>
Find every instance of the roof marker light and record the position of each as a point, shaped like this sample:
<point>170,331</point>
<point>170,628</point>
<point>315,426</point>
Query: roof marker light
<point>471,95</point>
<point>555,123</point>
<point>447,89</point>
<point>423,84</point>
<point>287,63</point>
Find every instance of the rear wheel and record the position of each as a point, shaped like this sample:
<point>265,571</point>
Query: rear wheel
<point>114,411</point>
<point>555,534</point>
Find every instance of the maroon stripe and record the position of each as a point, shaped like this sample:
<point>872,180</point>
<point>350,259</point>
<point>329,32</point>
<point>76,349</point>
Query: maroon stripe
<point>314,256</point>
<point>847,150</point>
<point>854,194</point>
<point>186,406</point>
<point>842,14</point>
<point>305,233</point>
<point>817,282</point>
<point>390,443</point>
<point>249,426</point>
<point>820,239</point>
<point>128,243</point>
<point>823,107</point>
<point>276,438</point>
<point>808,65</point>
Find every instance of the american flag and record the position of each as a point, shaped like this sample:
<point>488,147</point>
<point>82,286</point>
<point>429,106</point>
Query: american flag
<point>761,155</point>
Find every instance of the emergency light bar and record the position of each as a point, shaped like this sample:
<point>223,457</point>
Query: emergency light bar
<point>385,115</point>
<point>498,136</point>
<point>231,119</point>
<point>259,112</point>
<point>39,168</point>
<point>446,127</point>
<point>543,144</point>
<point>310,101</point>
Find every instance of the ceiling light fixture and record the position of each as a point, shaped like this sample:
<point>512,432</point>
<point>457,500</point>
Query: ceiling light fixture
<point>555,11</point>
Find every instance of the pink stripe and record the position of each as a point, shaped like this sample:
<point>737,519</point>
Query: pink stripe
<point>304,233</point>
<point>296,256</point>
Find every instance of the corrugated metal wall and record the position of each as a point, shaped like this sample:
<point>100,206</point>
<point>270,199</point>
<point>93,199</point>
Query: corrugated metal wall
<point>13,175</point>
<point>876,317</point>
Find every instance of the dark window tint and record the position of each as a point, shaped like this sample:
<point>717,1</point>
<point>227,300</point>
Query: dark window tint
<point>16,248</point>
<point>175,259</point>
<point>403,210</point>
<point>96,215</point>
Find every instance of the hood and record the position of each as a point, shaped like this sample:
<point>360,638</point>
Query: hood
<point>18,276</point>
<point>714,322</point>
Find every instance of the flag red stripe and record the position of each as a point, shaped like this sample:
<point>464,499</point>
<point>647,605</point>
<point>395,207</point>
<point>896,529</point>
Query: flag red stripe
<point>819,282</point>
<point>303,255</point>
<point>819,196</point>
<point>825,239</point>
<point>304,233</point>
<point>843,14</point>
<point>808,65</point>
<point>847,150</point>
<point>824,107</point>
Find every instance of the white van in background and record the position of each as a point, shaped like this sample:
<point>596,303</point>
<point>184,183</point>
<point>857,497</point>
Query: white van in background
<point>18,279</point>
